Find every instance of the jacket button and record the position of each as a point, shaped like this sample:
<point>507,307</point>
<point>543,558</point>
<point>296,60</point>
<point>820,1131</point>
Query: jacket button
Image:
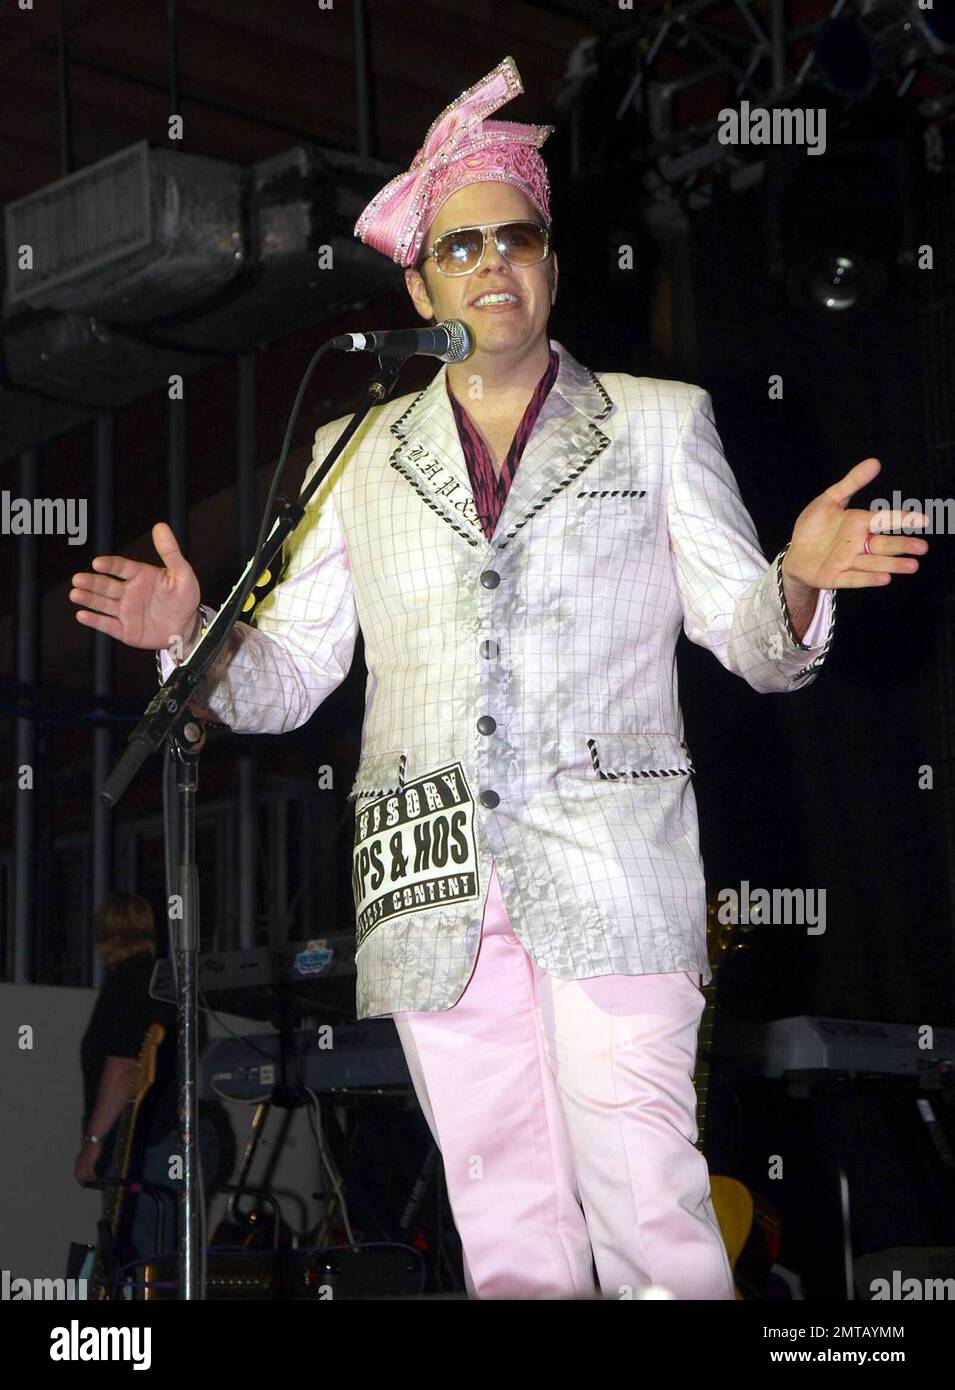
<point>489,799</point>
<point>490,579</point>
<point>489,649</point>
<point>486,724</point>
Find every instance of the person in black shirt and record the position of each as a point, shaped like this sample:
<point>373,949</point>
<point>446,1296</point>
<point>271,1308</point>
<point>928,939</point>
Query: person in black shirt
<point>126,938</point>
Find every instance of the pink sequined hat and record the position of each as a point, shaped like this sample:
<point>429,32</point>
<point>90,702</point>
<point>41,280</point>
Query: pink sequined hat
<point>460,148</point>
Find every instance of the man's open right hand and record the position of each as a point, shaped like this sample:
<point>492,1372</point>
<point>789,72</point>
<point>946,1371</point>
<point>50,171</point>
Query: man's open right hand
<point>138,604</point>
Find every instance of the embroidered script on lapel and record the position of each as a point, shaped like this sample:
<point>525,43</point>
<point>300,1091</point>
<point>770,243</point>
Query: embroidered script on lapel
<point>432,480</point>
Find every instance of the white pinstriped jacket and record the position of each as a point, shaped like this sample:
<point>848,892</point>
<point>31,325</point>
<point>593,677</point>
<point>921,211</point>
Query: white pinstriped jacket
<point>535,671</point>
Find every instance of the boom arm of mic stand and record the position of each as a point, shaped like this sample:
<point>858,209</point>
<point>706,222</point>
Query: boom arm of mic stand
<point>166,705</point>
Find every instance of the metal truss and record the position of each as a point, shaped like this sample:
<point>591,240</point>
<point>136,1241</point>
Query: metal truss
<point>704,55</point>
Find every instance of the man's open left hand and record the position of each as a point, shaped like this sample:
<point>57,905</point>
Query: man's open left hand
<point>827,550</point>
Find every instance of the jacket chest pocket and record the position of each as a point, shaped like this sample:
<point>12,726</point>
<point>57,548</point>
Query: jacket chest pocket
<point>638,757</point>
<point>611,523</point>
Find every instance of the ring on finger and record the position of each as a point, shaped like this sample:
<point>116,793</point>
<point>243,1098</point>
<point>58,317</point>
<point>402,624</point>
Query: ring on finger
<point>866,546</point>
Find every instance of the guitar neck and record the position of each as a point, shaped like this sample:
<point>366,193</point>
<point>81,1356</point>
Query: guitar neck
<point>701,1075</point>
<point>119,1166</point>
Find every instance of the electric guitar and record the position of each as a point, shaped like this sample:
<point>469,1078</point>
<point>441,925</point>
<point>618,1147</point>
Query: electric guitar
<point>750,1227</point>
<point>108,1225</point>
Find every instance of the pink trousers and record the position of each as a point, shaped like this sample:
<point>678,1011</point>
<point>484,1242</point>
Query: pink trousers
<point>565,1114</point>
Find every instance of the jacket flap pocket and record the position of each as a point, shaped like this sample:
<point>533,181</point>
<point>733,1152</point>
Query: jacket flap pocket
<point>627,757</point>
<point>379,774</point>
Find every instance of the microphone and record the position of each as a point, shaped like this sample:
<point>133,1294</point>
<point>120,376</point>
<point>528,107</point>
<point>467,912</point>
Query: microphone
<point>452,341</point>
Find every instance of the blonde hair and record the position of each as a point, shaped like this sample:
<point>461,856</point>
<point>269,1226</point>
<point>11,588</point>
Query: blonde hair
<point>125,925</point>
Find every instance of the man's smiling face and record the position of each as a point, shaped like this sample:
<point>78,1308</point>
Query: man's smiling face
<point>502,329</point>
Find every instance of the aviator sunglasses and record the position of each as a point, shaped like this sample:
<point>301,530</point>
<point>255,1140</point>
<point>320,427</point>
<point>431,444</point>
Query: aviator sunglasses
<point>461,250</point>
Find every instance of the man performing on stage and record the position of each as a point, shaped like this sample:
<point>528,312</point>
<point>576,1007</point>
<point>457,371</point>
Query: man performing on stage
<point>521,543</point>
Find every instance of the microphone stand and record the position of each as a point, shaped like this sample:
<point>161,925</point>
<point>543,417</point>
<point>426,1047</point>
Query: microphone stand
<point>167,719</point>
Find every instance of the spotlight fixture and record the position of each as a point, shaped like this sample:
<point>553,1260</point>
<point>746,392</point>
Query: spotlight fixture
<point>844,56</point>
<point>837,283</point>
<point>837,227</point>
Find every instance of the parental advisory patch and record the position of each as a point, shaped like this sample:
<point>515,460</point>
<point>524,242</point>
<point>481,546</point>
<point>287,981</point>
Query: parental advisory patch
<point>415,849</point>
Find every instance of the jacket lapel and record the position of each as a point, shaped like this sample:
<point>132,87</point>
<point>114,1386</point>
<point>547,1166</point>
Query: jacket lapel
<point>564,441</point>
<point>430,458</point>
